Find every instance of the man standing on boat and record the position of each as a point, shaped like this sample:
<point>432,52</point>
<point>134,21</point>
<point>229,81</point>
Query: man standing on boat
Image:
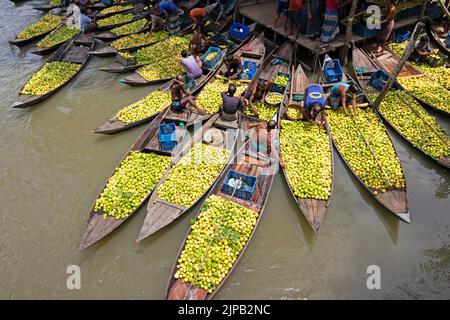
<point>181,98</point>
<point>169,10</point>
<point>231,104</point>
<point>234,67</point>
<point>314,107</point>
<point>338,96</point>
<point>199,16</point>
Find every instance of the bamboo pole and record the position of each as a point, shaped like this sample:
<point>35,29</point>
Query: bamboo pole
<point>399,67</point>
<point>424,8</point>
<point>444,7</point>
<point>348,34</point>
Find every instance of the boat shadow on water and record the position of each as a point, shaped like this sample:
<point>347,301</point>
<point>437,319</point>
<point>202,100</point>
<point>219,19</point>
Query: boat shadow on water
<point>390,222</point>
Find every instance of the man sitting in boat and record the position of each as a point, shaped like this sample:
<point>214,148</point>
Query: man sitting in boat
<point>199,43</point>
<point>169,10</point>
<point>234,67</point>
<point>199,16</point>
<point>181,98</point>
<point>264,139</point>
<point>258,91</point>
<point>338,96</point>
<point>231,104</point>
<point>191,64</point>
<point>422,49</point>
<point>314,106</point>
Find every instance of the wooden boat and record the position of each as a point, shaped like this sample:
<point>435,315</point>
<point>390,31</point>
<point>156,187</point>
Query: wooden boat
<point>314,210</point>
<point>99,227</point>
<point>115,125</point>
<point>394,199</point>
<point>117,67</point>
<point>157,211</point>
<point>360,60</point>
<point>247,163</point>
<point>48,7</point>
<point>389,60</point>
<point>267,71</point>
<point>108,35</point>
<point>22,42</point>
<point>123,10</point>
<point>438,39</point>
<point>43,51</point>
<point>74,51</point>
<point>137,16</point>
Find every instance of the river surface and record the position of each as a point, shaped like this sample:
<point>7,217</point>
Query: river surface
<point>52,167</point>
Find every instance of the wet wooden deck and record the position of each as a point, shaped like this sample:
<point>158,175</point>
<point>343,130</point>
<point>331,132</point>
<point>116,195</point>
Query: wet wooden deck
<point>264,11</point>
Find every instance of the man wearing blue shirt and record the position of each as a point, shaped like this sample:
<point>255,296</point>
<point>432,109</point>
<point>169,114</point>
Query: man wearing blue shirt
<point>170,11</point>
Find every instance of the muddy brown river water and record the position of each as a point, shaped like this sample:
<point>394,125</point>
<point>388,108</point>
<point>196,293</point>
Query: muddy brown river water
<point>52,166</point>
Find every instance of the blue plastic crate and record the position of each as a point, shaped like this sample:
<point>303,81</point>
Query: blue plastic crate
<point>245,192</point>
<point>167,136</point>
<point>402,35</point>
<point>378,79</point>
<point>239,31</point>
<point>433,9</point>
<point>248,70</point>
<point>333,71</point>
<point>279,88</point>
<point>361,30</point>
<point>447,40</point>
<point>213,62</point>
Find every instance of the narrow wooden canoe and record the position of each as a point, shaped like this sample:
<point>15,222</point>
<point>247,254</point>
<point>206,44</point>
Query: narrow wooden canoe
<point>314,210</point>
<point>115,125</point>
<point>248,163</point>
<point>363,78</point>
<point>122,10</point>
<point>43,51</point>
<point>22,42</point>
<point>394,199</point>
<point>74,51</point>
<point>137,16</point>
<point>99,227</point>
<point>438,39</point>
<point>389,60</point>
<point>110,36</point>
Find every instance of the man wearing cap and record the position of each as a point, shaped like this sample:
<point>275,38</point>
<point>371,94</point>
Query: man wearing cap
<point>314,106</point>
